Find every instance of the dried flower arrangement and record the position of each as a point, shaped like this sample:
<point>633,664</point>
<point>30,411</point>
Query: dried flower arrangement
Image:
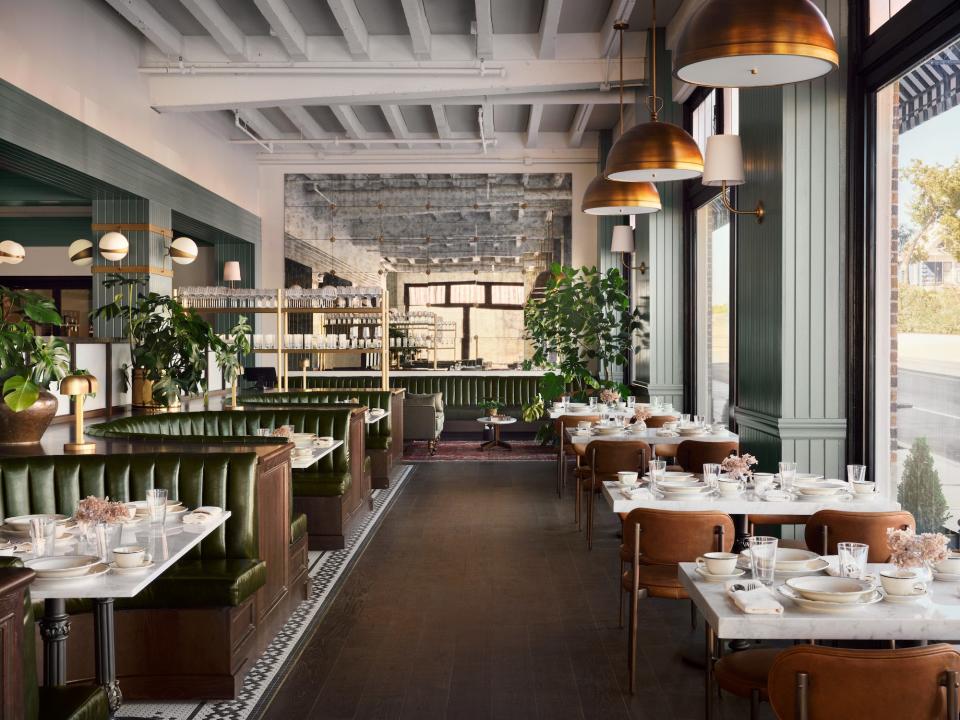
<point>907,549</point>
<point>93,510</point>
<point>738,466</point>
<point>642,414</point>
<point>609,395</point>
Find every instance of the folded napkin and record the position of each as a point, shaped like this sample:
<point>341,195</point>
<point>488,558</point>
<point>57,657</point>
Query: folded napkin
<point>638,493</point>
<point>667,433</point>
<point>201,515</point>
<point>754,598</point>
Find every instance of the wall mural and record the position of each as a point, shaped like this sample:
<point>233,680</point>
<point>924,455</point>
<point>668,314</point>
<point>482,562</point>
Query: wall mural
<point>468,248</point>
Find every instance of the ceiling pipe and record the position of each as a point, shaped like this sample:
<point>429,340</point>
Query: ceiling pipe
<point>365,141</point>
<point>265,144</point>
<point>268,68</point>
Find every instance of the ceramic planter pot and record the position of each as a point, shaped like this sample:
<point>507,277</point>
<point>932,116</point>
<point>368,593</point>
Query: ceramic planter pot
<point>27,426</point>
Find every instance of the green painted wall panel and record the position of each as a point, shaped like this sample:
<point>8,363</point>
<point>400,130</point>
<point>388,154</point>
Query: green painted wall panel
<point>44,232</point>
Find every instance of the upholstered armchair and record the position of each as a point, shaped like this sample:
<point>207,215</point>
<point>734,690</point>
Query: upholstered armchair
<point>423,418</point>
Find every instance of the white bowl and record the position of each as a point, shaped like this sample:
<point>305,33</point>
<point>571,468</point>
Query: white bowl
<point>830,589</point>
<point>674,474</point>
<point>62,566</point>
<point>794,559</point>
<point>21,523</point>
<point>679,481</point>
<point>949,566</point>
<point>830,487</point>
<point>683,489</point>
<point>627,477</point>
<point>608,429</point>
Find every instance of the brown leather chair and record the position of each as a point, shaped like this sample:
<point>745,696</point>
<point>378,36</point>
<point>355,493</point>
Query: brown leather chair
<point>604,459</point>
<point>692,455</point>
<point>745,674</point>
<point>658,421</point>
<point>828,527</point>
<point>657,541</point>
<point>813,682</point>
<point>565,449</point>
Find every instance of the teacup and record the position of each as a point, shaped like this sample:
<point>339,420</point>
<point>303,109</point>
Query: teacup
<point>864,488</point>
<point>324,441</point>
<point>627,477</point>
<point>129,556</point>
<point>951,565</point>
<point>902,582</point>
<point>728,487</point>
<point>718,563</point>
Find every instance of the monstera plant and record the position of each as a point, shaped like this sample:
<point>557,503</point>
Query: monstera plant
<point>28,364</point>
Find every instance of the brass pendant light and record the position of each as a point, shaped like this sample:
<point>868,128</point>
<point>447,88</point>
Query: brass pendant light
<point>606,197</point>
<point>654,151</point>
<point>755,43</point>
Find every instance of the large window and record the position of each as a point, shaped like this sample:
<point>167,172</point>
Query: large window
<point>917,318</point>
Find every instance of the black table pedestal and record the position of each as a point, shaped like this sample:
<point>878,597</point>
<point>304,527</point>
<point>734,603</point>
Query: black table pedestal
<point>54,629</point>
<point>104,651</point>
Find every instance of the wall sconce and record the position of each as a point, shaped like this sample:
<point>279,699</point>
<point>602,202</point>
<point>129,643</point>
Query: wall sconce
<point>80,252</point>
<point>78,387</point>
<point>183,251</point>
<point>622,243</point>
<point>11,252</point>
<point>723,168</point>
<point>114,246</point>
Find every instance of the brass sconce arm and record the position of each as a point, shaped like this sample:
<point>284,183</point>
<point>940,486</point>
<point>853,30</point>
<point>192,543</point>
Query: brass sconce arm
<point>725,199</point>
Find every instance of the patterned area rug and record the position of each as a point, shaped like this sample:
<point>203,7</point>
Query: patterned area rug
<point>469,451</point>
<point>327,569</point>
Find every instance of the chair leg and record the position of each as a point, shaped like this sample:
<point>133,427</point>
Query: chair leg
<point>632,650</point>
<point>620,604</point>
<point>590,516</point>
<point>754,704</point>
<point>577,502</point>
<point>693,615</point>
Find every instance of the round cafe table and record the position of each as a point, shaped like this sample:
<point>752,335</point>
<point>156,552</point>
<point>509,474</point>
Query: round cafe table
<point>496,423</point>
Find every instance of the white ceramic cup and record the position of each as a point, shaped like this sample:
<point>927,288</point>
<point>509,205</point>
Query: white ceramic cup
<point>950,566</point>
<point>129,556</point>
<point>902,582</point>
<point>583,425</point>
<point>728,487</point>
<point>864,488</point>
<point>718,563</point>
<point>627,477</point>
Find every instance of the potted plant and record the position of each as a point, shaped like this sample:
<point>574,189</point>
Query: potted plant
<point>229,351</point>
<point>28,364</point>
<point>492,407</point>
<point>168,343</point>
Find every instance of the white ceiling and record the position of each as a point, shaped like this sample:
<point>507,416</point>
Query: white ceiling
<point>320,79</point>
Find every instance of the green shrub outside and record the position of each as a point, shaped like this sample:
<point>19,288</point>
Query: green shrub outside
<point>929,310</point>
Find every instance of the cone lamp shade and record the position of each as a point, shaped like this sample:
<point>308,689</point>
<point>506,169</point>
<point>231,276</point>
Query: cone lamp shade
<point>607,197</point>
<point>724,161</point>
<point>654,152</point>
<point>183,251</point>
<point>755,43</point>
<point>622,240</point>
<point>231,271</point>
<point>80,252</point>
<point>11,252</point>
<point>114,246</point>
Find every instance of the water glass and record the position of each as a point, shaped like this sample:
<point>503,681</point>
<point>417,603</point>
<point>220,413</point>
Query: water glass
<point>853,559</point>
<point>856,473</point>
<point>711,474</point>
<point>788,473</point>
<point>43,535</point>
<point>763,558</point>
<point>631,402</point>
<point>657,469</point>
<point>157,506</point>
<point>592,401</point>
<point>108,537</point>
<point>684,418</point>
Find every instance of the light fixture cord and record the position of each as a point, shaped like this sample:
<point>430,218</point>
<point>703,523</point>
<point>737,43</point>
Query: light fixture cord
<point>654,102</point>
<point>621,79</point>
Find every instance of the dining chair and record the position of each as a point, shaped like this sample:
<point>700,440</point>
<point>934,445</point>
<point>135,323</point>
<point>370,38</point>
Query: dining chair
<point>816,682</point>
<point>605,458</point>
<point>692,455</point>
<point>658,421</point>
<point>745,673</point>
<point>828,527</point>
<point>658,541</point>
<point>564,448</point>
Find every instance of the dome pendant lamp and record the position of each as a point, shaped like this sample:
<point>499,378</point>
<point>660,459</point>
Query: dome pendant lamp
<point>607,197</point>
<point>755,43</point>
<point>654,151</point>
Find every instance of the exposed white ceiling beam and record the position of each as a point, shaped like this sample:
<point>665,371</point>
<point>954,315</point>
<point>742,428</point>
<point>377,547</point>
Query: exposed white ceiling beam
<point>141,15</point>
<point>419,28</point>
<point>484,30</point>
<point>351,123</point>
<point>488,129</point>
<point>285,26</point>
<point>308,127</point>
<point>216,22</point>
<point>352,27</point>
<point>396,122</point>
<point>579,125</point>
<point>533,125</point>
<point>255,120</point>
<point>549,26</point>
<point>619,10</point>
<point>440,120</point>
<point>526,82</point>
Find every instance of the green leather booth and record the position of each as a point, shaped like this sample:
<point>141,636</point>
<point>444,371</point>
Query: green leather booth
<point>70,702</point>
<point>463,395</point>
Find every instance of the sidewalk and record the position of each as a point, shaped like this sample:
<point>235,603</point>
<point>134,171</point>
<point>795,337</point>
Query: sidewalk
<point>938,354</point>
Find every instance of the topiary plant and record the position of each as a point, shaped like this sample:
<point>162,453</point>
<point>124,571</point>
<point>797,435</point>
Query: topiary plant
<point>920,492</point>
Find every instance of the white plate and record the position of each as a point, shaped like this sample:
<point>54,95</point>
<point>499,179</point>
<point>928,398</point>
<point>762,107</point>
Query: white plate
<point>776,496</point>
<point>21,523</point>
<point>710,577</point>
<point>92,572</point>
<point>905,599</point>
<point>611,430</point>
<point>807,476</point>
<point>62,566</point>
<point>822,488</point>
<point>114,568</point>
<point>946,577</point>
<point>680,481</point>
<point>820,606</point>
<point>816,566</point>
<point>790,559</point>
<point>675,475</point>
<point>683,489</point>
<point>830,589</point>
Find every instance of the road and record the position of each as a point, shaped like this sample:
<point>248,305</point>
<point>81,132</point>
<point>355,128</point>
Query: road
<point>933,411</point>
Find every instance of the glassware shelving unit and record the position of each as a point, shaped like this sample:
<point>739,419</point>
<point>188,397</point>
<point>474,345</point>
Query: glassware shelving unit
<point>380,317</point>
<point>438,328</point>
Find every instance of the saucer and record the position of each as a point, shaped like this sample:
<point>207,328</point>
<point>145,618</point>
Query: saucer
<point>946,577</point>
<point>905,599</point>
<point>821,606</point>
<point>130,570</point>
<point>710,577</point>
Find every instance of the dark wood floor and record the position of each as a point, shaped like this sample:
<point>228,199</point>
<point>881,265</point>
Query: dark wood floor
<point>477,598</point>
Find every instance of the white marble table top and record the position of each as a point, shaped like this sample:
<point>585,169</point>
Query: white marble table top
<point>499,420</point>
<point>299,463</point>
<point>620,412</point>
<point>165,549</point>
<point>933,618</point>
<point>746,503</point>
<point>650,436</point>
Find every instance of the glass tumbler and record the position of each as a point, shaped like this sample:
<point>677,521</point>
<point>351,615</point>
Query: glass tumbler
<point>856,473</point>
<point>108,538</point>
<point>657,469</point>
<point>763,558</point>
<point>157,506</point>
<point>43,535</point>
<point>788,473</point>
<point>853,559</point>
<point>711,474</point>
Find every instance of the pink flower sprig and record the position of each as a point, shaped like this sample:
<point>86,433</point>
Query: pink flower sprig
<point>641,413</point>
<point>738,465</point>
<point>907,549</point>
<point>608,395</point>
<point>94,509</point>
